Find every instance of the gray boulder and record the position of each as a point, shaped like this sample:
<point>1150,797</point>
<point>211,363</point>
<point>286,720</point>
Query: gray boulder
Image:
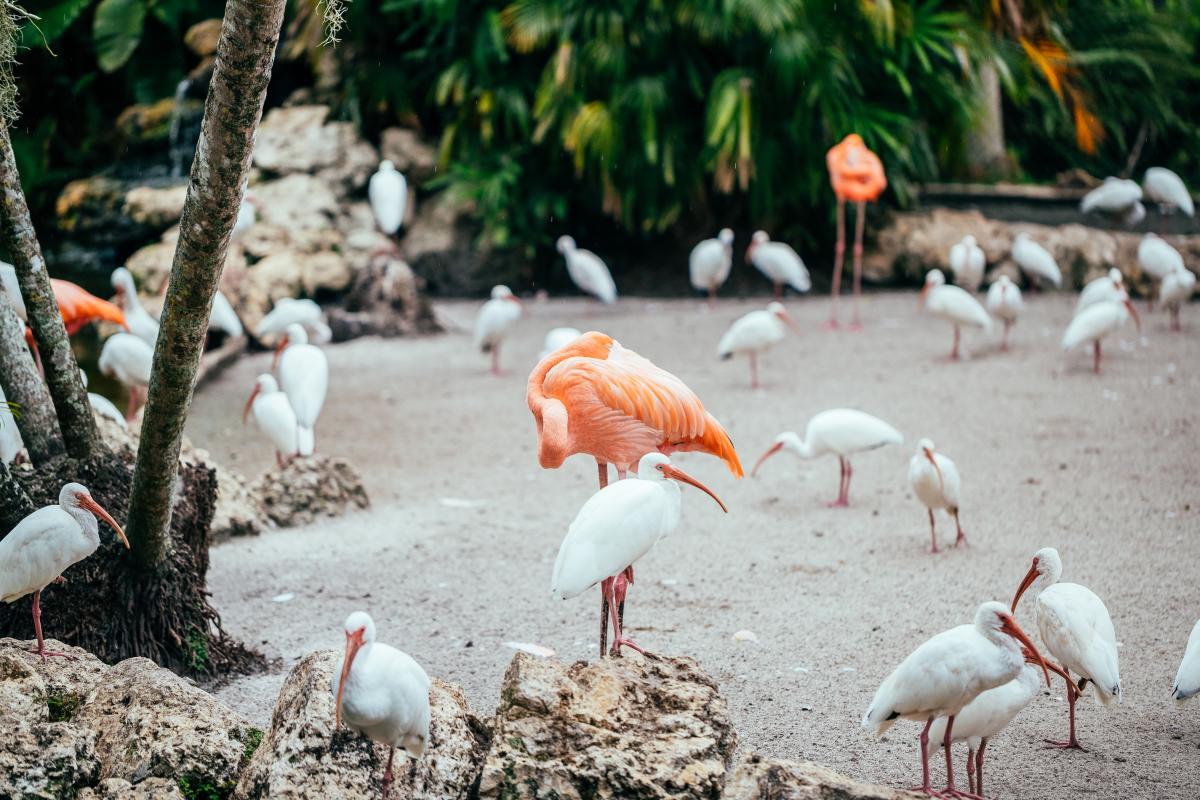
<point>310,488</point>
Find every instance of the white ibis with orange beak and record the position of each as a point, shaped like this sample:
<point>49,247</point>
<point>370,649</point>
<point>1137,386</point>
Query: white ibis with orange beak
<point>1175,290</point>
<point>128,359</point>
<point>1035,261</point>
<point>1164,187</point>
<point>934,480</point>
<point>495,320</point>
<point>1187,679</point>
<point>967,262</point>
<point>291,311</point>
<point>1119,198</point>
<point>756,333</point>
<point>615,527</point>
<point>779,262</point>
<point>388,193</point>
<point>953,304</point>
<point>946,673</point>
<point>304,378</point>
<point>587,271</point>
<point>137,319</point>
<point>274,417</point>
<point>842,432</point>
<point>558,338</point>
<point>1076,630</point>
<point>1005,304</point>
<point>47,542</point>
<point>709,264</point>
<point>382,693</point>
<point>1102,289</point>
<point>1097,321</point>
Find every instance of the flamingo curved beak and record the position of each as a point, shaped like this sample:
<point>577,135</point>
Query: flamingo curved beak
<point>1137,321</point>
<point>87,503</point>
<point>1030,577</point>
<point>354,641</point>
<point>1010,626</point>
<point>681,476</point>
<point>279,348</point>
<point>249,404</point>
<point>936,468</point>
<point>772,450</point>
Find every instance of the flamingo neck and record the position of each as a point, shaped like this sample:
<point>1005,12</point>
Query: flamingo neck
<point>553,433</point>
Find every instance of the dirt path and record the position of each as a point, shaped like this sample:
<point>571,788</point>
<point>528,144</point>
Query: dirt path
<point>455,557</point>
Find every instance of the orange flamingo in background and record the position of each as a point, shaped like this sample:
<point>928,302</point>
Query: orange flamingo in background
<point>594,396</point>
<point>79,307</point>
<point>856,174</point>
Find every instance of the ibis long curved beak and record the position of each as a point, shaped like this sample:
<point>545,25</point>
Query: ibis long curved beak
<point>775,448</point>
<point>1010,626</point>
<point>1028,580</point>
<point>1032,658</point>
<point>1137,321</point>
<point>249,404</point>
<point>516,300</point>
<point>787,320</point>
<point>681,476</point>
<point>936,468</point>
<point>924,296</point>
<point>88,504</point>
<point>279,348</point>
<point>354,641</point>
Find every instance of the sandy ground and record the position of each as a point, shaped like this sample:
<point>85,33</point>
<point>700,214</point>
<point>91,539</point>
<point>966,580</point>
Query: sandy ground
<point>454,559</point>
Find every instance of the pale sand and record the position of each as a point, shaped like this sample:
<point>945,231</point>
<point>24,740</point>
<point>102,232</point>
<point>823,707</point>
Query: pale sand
<point>1104,468</point>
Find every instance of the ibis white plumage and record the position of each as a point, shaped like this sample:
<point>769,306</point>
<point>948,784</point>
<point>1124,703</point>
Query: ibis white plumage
<point>779,262</point>
<point>102,406</point>
<point>947,672</point>
<point>247,216</point>
<point>967,262</point>
<point>588,272</point>
<point>1076,630</point>
<point>614,528</point>
<point>1175,290</point>
<point>839,431</point>
<point>47,542</point>
<point>558,338</point>
<point>953,304</point>
<point>12,289</point>
<point>1117,197</point>
<point>1097,321</point>
<point>274,418</point>
<point>1035,261</point>
<point>128,359</point>
<point>1158,259</point>
<point>295,311</point>
<point>1187,679</point>
<point>1168,190</point>
<point>11,443</point>
<point>934,479</point>
<point>223,318</point>
<point>709,264</point>
<point>755,333</point>
<point>388,193</point>
<point>304,378</point>
<point>1102,289</point>
<point>495,319</point>
<point>139,321</point>
<point>1005,304</point>
<point>381,693</point>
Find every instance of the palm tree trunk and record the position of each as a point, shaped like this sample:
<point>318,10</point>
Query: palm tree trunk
<point>15,505</point>
<point>75,418</point>
<point>23,385</point>
<point>986,155</point>
<point>245,55</point>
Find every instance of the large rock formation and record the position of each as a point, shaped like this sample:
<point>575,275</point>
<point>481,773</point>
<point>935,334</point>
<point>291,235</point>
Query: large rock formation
<point>758,778</point>
<point>310,488</point>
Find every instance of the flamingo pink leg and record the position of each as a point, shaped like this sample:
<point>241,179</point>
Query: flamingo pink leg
<point>855,322</point>
<point>839,255</point>
<point>37,630</point>
<point>933,531</point>
<point>1072,743</point>
<point>602,467</point>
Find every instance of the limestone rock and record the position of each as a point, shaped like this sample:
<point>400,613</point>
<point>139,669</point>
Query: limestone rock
<point>62,683</point>
<point>117,789</point>
<point>621,727</point>
<point>759,778</point>
<point>299,139</point>
<point>157,208</point>
<point>413,156</point>
<point>239,510</point>
<point>150,122</point>
<point>46,760</point>
<point>151,265</point>
<point>22,691</point>
<point>202,37</point>
<point>297,202</point>
<point>385,300</point>
<point>310,488</point>
<point>302,757</point>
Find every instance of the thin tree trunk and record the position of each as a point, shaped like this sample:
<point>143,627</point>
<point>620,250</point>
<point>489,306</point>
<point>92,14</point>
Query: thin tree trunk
<point>985,152</point>
<point>15,505</point>
<point>75,418</point>
<point>245,55</point>
<point>23,385</point>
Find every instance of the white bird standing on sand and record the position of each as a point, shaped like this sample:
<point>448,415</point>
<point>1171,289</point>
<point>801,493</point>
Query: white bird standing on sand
<point>779,262</point>
<point>953,304</point>
<point>382,693</point>
<point>558,338</point>
<point>11,443</point>
<point>1076,630</point>
<point>755,333</point>
<point>842,432</point>
<point>967,262</point>
<point>102,406</point>
<point>128,359</point>
<point>614,528</point>
<point>1035,261</point>
<point>291,311</point>
<point>1116,197</point>
<point>1097,321</point>
<point>1004,302</point>
<point>388,193</point>
<point>1102,289</point>
<point>1168,190</point>
<point>934,479</point>
<point>587,271</point>
<point>496,318</point>
<point>1158,259</point>
<point>304,378</point>
<point>709,264</point>
<point>1175,290</point>
<point>47,542</point>
<point>942,676</point>
<point>137,319</point>
<point>223,318</point>
<point>1187,679</point>
<point>274,417</point>
<point>12,289</point>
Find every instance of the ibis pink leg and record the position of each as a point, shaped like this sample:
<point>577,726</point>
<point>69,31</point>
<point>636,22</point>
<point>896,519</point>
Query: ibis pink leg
<point>925,786</point>
<point>962,537</point>
<point>778,290</point>
<point>1175,326</point>
<point>602,467</point>
<point>855,322</point>
<point>712,296</point>
<point>838,257</point>
<point>1096,360</point>
<point>608,586</point>
<point>933,531</point>
<point>951,790</point>
<point>971,770</point>
<point>387,774</point>
<point>753,370</point>
<point>37,631</point>
<point>843,483</point>
<point>979,766</point>
<point>495,359</point>
<point>621,585</point>
<point>1072,743</point>
<point>954,350</point>
<point>1004,343</point>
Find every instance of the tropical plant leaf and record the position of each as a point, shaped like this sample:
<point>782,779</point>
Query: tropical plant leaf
<point>117,31</point>
<point>53,22</point>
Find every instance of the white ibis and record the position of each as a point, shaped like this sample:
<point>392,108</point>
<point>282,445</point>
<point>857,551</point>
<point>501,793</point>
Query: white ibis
<point>388,193</point>
<point>1175,290</point>
<point>967,263</point>
<point>838,431</point>
<point>495,320</point>
<point>128,359</point>
<point>1187,679</point>
<point>223,318</point>
<point>953,304</point>
<point>292,311</point>
<point>138,319</point>
<point>588,272</point>
<point>274,417</point>
<point>304,378</point>
<point>1035,261</point>
<point>102,406</point>
<point>247,216</point>
<point>1005,304</point>
<point>381,693</point>
<point>11,443</point>
<point>934,479</point>
<point>614,528</point>
<point>1076,630</point>
<point>1102,289</point>
<point>755,333</point>
<point>1120,198</point>
<point>709,264</point>
<point>1097,321</point>
<point>1168,190</point>
<point>779,262</point>
<point>1158,259</point>
<point>47,542</point>
<point>558,338</point>
<point>12,289</point>
<point>942,676</point>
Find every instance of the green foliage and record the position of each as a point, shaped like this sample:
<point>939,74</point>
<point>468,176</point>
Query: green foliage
<point>62,708</point>
<point>117,31</point>
<point>194,787</point>
<point>254,737</point>
<point>198,647</point>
